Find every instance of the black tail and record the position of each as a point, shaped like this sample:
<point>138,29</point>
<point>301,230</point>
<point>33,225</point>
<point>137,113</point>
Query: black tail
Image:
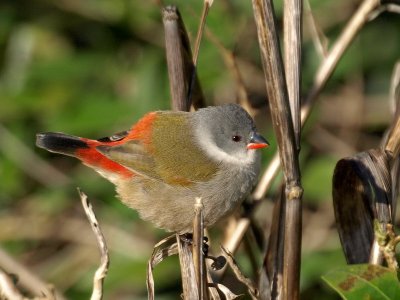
<point>60,143</point>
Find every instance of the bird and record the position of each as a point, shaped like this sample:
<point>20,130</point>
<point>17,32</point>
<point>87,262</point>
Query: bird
<point>170,158</point>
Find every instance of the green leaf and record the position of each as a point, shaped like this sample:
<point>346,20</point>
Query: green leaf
<point>364,282</point>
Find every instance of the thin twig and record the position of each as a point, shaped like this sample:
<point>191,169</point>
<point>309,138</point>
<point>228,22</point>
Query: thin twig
<point>101,272</point>
<point>327,66</point>
<point>319,39</point>
<point>232,66</point>
<point>239,275</point>
<point>394,93</point>
<point>195,94</point>
<point>212,287</point>
<point>206,8</point>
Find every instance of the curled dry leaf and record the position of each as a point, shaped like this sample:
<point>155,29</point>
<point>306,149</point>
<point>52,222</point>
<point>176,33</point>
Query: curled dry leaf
<point>361,194</point>
<point>162,250</point>
<point>229,295</point>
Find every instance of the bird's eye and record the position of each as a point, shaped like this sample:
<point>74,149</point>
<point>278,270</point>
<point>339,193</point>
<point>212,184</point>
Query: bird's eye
<point>236,138</point>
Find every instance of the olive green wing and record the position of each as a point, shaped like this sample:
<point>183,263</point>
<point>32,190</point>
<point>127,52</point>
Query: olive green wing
<point>171,155</point>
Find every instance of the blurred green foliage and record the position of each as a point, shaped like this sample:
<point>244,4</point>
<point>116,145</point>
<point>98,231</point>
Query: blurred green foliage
<point>92,68</point>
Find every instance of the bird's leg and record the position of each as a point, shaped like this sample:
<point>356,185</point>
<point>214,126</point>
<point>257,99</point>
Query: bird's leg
<point>188,238</point>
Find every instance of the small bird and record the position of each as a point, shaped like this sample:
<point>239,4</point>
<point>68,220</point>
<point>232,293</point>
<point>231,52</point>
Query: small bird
<point>169,158</point>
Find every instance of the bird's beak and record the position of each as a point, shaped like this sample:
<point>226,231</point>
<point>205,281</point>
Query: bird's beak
<point>257,141</point>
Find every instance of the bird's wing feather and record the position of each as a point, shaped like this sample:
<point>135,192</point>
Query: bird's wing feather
<point>164,150</point>
<point>131,155</point>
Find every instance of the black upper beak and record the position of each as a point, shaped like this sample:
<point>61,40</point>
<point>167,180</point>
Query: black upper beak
<point>257,141</point>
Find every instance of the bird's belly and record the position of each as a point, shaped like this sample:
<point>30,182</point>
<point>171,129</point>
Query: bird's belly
<point>172,207</point>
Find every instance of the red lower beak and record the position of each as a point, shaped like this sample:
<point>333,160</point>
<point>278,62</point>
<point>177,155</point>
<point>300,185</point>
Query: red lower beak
<point>256,145</point>
<point>257,141</point>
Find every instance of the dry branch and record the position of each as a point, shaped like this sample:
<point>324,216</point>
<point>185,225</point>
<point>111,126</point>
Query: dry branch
<point>206,7</point>
<point>292,33</point>
<point>188,273</point>
<point>198,257</point>
<point>101,272</point>
<point>323,73</point>
<point>239,275</point>
<point>283,127</point>
<point>179,58</point>
<point>184,85</point>
<point>232,66</point>
<point>328,65</point>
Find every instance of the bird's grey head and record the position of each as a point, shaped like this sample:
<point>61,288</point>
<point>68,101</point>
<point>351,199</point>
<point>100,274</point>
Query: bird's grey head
<point>225,132</point>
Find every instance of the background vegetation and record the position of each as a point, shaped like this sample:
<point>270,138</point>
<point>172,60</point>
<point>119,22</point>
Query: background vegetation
<point>92,68</point>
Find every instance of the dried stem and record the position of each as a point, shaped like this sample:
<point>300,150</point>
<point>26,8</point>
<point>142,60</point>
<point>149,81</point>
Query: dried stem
<point>283,127</point>
<point>198,257</point>
<point>394,94</point>
<point>101,272</point>
<point>179,58</point>
<point>206,8</point>
<point>393,140</point>
<point>319,40</point>
<point>184,84</point>
<point>323,73</point>
<point>232,66</point>
<point>188,273</point>
<point>292,33</point>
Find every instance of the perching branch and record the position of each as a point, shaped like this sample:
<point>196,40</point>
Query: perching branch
<point>188,273</point>
<point>198,257</point>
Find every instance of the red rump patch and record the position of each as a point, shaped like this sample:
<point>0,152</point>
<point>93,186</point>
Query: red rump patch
<point>140,131</point>
<point>92,157</point>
